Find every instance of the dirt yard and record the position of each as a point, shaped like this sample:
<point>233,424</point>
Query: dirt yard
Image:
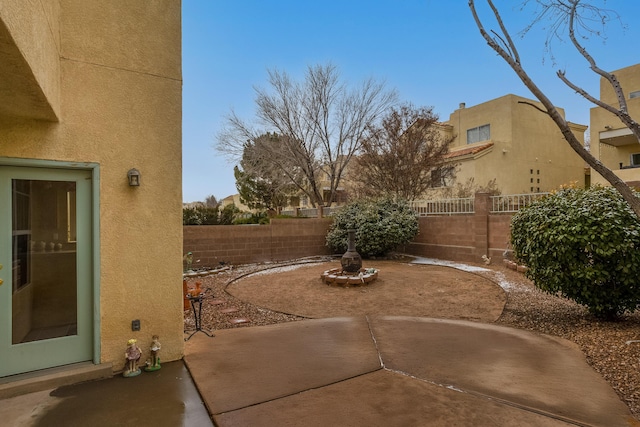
<point>400,290</point>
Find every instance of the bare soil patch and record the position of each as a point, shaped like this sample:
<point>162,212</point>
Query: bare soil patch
<point>400,290</point>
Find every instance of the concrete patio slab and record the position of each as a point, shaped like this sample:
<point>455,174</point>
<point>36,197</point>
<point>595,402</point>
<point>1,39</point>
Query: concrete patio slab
<point>384,398</point>
<point>243,367</point>
<point>398,371</point>
<point>534,371</point>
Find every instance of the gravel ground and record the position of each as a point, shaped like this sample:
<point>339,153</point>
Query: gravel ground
<point>605,344</point>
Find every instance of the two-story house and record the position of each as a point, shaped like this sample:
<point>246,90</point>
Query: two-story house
<point>509,141</point>
<point>611,141</point>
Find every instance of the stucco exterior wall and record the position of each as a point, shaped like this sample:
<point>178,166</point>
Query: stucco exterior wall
<point>118,67</point>
<point>30,69</point>
<point>615,152</point>
<point>524,140</point>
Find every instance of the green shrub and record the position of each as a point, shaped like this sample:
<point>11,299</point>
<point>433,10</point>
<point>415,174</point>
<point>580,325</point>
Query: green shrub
<point>584,245</point>
<point>228,214</point>
<point>381,226</point>
<point>200,215</point>
<point>255,218</point>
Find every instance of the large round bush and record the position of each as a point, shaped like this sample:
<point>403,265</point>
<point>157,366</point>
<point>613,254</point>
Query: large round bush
<point>583,244</point>
<point>381,226</point>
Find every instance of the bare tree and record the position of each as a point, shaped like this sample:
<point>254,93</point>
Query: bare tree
<point>567,14</point>
<point>320,122</point>
<point>469,187</point>
<point>403,156</point>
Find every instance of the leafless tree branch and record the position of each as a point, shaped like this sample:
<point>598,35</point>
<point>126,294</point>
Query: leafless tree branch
<point>570,7</point>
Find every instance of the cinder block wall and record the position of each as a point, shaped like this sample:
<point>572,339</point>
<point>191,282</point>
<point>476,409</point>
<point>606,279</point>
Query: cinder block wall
<point>499,232</point>
<point>456,237</point>
<point>463,237</point>
<point>283,239</point>
<point>444,237</point>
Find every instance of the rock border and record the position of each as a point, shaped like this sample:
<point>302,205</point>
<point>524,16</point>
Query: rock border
<point>335,277</point>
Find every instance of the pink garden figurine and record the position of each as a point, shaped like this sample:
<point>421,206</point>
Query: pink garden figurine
<point>132,356</point>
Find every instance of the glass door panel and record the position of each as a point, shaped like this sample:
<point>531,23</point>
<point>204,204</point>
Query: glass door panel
<point>44,300</point>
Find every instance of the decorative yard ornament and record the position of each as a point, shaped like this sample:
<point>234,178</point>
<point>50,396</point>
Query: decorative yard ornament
<point>153,364</point>
<point>351,260</point>
<point>188,259</point>
<point>132,356</point>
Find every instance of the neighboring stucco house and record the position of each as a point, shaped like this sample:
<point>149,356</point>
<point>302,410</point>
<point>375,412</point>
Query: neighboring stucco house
<point>89,91</point>
<point>611,141</point>
<point>514,144</point>
<point>234,199</point>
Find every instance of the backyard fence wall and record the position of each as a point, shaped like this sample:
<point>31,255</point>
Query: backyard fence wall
<point>463,237</point>
<point>281,240</point>
<point>460,237</point>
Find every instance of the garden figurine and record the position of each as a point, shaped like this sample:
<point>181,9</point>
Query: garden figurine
<point>153,364</point>
<point>188,258</point>
<point>132,356</point>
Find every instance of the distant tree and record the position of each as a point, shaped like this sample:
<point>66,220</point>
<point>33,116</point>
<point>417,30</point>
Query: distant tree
<point>403,156</point>
<point>228,214</point>
<point>200,215</point>
<point>260,185</point>
<point>576,17</point>
<point>320,124</point>
<point>211,201</point>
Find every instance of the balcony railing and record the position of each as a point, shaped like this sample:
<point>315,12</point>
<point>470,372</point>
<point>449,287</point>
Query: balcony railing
<point>311,212</point>
<point>443,206</point>
<point>457,206</point>
<point>513,202</point>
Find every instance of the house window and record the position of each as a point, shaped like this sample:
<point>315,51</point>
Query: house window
<point>481,133</point>
<point>441,177</point>
<point>437,179</point>
<point>634,94</point>
<point>635,159</point>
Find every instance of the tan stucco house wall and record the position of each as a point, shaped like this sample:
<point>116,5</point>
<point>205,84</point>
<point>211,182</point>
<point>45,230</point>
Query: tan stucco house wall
<point>611,141</point>
<point>519,147</point>
<point>97,85</point>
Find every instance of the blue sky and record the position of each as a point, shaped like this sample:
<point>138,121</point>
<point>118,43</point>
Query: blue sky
<point>430,51</point>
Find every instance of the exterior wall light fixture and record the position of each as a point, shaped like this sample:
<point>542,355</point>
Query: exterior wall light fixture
<point>134,177</point>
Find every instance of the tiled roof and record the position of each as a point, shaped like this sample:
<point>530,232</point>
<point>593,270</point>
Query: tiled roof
<point>469,150</point>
